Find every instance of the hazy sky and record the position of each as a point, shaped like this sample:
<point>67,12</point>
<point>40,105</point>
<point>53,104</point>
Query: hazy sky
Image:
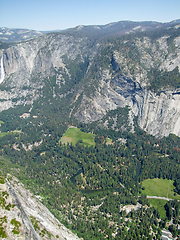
<point>62,14</point>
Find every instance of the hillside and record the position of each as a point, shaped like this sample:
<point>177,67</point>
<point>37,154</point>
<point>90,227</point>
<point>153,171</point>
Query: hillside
<point>24,216</point>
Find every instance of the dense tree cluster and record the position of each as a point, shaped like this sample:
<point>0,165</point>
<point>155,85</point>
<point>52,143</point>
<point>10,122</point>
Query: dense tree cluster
<point>86,187</point>
<point>161,79</point>
<point>173,213</point>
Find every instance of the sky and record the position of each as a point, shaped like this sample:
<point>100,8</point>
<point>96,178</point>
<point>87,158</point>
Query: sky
<point>44,15</point>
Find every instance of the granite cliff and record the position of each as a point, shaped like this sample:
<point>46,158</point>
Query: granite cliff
<point>140,70</point>
<point>23,216</point>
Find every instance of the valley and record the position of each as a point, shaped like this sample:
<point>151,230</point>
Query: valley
<point>90,124</point>
<point>96,189</point>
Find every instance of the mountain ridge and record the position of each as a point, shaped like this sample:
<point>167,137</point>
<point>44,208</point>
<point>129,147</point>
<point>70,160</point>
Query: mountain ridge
<point>114,28</point>
<point>96,75</point>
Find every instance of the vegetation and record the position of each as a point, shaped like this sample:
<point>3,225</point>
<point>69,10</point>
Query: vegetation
<point>3,202</point>
<point>16,224</point>
<point>160,80</point>
<point>86,186</point>
<point>3,220</point>
<point>1,179</point>
<point>113,125</point>
<point>160,188</point>
<point>73,135</point>
<point>173,212</point>
<point>159,204</point>
<point>6,133</point>
<point>4,45</point>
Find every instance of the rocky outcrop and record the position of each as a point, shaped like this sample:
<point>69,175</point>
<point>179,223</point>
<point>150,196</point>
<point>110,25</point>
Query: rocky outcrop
<point>23,216</point>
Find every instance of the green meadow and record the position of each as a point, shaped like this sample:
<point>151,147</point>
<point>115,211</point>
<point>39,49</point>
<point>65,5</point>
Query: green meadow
<point>16,132</point>
<point>2,134</point>
<point>160,188</point>
<point>159,204</point>
<point>73,135</point>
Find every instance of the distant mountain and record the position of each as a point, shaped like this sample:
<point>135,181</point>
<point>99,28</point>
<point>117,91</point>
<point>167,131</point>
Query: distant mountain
<point>110,29</point>
<point>119,28</point>
<point>17,35</point>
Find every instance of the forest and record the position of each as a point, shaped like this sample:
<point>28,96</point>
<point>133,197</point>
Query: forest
<point>86,187</point>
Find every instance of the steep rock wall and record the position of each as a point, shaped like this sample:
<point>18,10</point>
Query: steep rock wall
<point>158,115</point>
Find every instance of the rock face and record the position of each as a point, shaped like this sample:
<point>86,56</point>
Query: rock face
<point>107,75</point>
<point>23,216</point>
<point>159,115</point>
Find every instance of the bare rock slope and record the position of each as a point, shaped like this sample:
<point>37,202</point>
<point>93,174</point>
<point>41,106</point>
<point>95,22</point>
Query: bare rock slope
<point>23,216</point>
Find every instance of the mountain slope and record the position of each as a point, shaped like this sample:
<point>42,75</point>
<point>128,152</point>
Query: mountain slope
<point>24,216</point>
<point>83,77</point>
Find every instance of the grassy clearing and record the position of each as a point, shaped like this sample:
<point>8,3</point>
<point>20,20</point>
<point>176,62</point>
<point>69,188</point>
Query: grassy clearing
<point>159,187</point>
<point>73,135</point>
<point>109,141</point>
<point>159,204</point>
<point>2,134</point>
